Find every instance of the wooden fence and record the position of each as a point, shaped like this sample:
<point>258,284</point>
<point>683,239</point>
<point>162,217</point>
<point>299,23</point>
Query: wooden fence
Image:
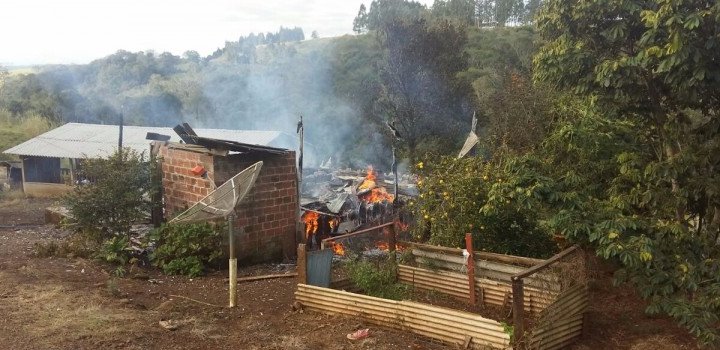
<point>447,325</point>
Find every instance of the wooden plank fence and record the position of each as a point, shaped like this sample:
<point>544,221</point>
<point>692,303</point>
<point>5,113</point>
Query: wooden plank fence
<point>447,325</point>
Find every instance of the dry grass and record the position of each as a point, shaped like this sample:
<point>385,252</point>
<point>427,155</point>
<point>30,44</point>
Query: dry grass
<point>11,198</point>
<point>657,342</point>
<point>51,311</point>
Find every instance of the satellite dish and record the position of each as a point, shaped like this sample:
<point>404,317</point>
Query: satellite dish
<point>222,201</point>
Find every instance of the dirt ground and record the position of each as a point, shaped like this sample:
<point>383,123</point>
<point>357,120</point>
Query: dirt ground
<point>72,303</point>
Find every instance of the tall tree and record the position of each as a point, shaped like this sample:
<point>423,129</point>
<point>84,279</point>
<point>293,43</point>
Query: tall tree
<point>420,93</point>
<point>360,23</point>
<point>655,63</point>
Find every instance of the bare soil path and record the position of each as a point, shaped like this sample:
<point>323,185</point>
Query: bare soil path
<point>73,303</point>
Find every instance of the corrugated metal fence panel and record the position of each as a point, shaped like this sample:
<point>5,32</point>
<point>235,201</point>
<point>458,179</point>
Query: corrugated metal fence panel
<point>561,323</point>
<point>485,269</point>
<point>456,285</point>
<point>447,325</point>
<point>319,263</point>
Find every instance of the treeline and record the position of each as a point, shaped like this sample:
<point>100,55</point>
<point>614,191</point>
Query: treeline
<point>427,73</point>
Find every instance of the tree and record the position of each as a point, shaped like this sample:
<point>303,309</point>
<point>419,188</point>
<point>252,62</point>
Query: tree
<point>462,10</point>
<point>419,91</point>
<point>652,65</point>
<point>360,23</point>
<point>384,12</point>
<point>315,34</point>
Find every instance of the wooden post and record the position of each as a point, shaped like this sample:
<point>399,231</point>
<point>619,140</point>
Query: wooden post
<point>518,310</point>
<point>232,262</point>
<point>470,268</point>
<point>302,264</point>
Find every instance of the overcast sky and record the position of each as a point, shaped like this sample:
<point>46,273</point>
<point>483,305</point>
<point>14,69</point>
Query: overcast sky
<point>78,31</point>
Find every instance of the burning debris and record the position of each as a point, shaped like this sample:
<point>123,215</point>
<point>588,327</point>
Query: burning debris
<point>342,201</point>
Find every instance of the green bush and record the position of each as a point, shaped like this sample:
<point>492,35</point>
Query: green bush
<point>377,279</point>
<point>186,249</point>
<point>117,195</point>
<point>115,251</point>
<point>452,201</point>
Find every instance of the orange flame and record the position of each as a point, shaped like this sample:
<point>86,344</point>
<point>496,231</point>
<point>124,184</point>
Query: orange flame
<point>334,222</point>
<point>311,222</point>
<point>338,248</point>
<point>376,194</point>
<point>384,246</point>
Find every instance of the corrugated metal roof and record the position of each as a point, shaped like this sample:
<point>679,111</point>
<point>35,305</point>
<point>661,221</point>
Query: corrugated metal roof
<point>79,140</point>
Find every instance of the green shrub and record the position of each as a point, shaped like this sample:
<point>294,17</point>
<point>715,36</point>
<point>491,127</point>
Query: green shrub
<point>117,195</point>
<point>186,249</point>
<point>377,279</point>
<point>116,251</point>
<point>452,201</point>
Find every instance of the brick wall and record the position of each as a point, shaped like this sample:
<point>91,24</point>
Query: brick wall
<point>266,218</point>
<point>181,188</point>
<point>268,214</point>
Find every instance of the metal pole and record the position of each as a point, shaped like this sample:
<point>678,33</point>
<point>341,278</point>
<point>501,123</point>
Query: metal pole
<point>232,262</point>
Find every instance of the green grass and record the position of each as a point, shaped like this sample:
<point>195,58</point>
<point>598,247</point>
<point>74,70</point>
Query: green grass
<point>16,131</point>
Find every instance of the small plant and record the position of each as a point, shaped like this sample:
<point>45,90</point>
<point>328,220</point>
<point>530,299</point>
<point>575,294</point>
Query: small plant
<point>377,279</point>
<point>407,257</point>
<point>45,250</point>
<point>509,330</point>
<point>112,287</point>
<point>186,249</point>
<point>116,251</point>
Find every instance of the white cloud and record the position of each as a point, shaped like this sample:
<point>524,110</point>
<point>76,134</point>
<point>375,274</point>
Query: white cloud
<point>77,31</point>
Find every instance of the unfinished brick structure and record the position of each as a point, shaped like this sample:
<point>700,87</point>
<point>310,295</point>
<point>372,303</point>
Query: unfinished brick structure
<point>266,219</point>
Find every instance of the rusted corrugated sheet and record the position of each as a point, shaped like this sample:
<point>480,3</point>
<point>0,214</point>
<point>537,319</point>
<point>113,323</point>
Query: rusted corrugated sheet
<point>447,325</point>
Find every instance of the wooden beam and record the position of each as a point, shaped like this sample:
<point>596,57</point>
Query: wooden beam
<point>301,264</point>
<point>503,258</point>
<point>470,268</point>
<point>266,277</point>
<point>546,263</point>
<point>332,239</point>
<point>518,309</point>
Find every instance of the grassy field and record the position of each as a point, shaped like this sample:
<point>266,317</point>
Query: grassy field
<point>14,132</point>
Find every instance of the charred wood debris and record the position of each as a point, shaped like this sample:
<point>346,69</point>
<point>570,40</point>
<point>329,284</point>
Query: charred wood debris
<point>334,202</point>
